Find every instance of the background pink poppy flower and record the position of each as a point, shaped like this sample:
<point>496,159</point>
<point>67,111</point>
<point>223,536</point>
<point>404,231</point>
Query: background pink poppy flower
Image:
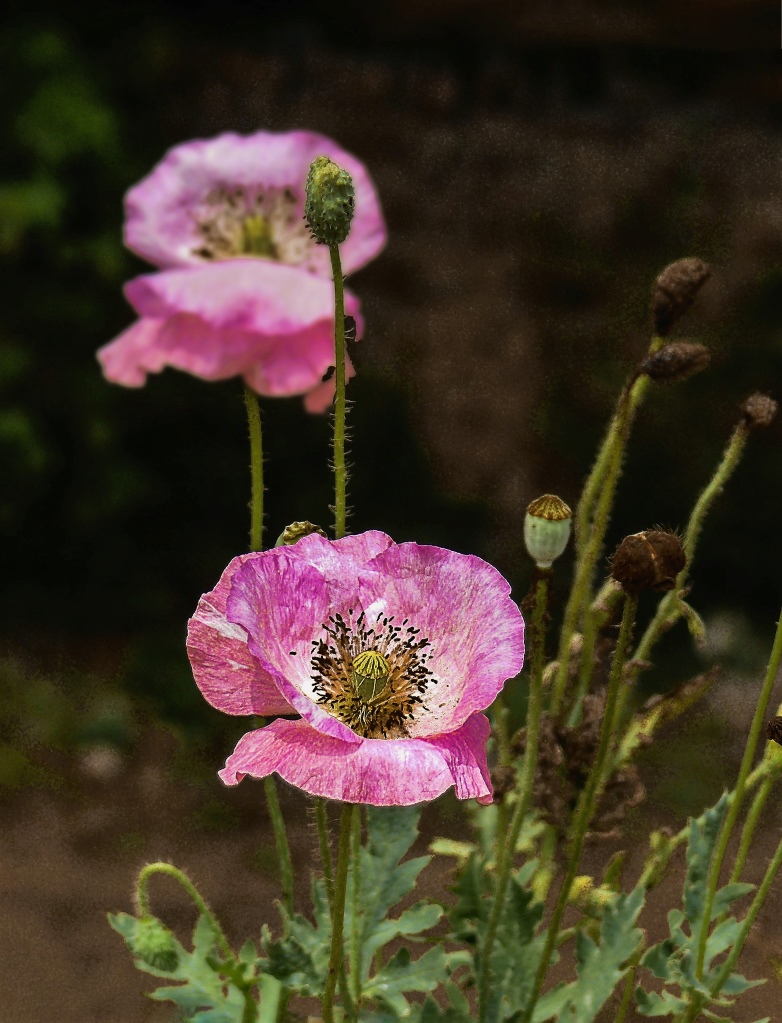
<point>243,288</point>
<point>388,652</point>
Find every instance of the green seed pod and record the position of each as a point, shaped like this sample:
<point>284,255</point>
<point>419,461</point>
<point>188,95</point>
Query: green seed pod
<point>547,529</point>
<point>155,945</point>
<point>370,675</point>
<point>330,201</point>
<point>295,531</point>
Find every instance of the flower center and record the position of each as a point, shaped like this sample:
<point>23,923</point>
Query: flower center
<point>373,679</point>
<point>261,222</point>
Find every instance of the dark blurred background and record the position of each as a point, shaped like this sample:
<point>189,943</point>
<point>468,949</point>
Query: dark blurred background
<point>538,165</point>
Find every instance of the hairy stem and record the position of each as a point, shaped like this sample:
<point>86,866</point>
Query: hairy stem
<point>588,800</point>
<point>340,468</point>
<point>280,840</point>
<point>526,782</point>
<point>735,806</point>
<point>355,937</point>
<point>338,917</point>
<point>256,468</point>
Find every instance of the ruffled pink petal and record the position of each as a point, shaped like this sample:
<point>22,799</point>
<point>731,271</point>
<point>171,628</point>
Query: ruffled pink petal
<point>160,222</point>
<point>282,602</point>
<point>227,320</point>
<point>463,606</point>
<point>224,670</point>
<point>341,559</point>
<point>381,772</point>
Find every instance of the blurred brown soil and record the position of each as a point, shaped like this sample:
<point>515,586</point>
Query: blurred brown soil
<point>69,853</point>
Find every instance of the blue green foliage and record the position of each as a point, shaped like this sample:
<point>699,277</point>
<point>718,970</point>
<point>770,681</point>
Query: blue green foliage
<point>674,959</point>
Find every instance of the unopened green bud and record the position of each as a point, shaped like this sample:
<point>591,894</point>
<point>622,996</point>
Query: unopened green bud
<point>547,529</point>
<point>295,531</point>
<point>154,944</point>
<point>330,201</point>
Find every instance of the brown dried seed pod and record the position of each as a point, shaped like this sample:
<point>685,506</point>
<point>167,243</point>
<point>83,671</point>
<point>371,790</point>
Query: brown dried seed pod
<point>759,410</point>
<point>503,780</point>
<point>676,361</point>
<point>648,561</point>
<point>675,290</point>
<point>774,730</point>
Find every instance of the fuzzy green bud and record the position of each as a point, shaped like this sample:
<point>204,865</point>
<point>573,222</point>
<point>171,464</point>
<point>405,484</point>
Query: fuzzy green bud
<point>154,944</point>
<point>295,531</point>
<point>330,201</point>
<point>547,529</point>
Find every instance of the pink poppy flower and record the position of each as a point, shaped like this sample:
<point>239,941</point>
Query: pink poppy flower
<point>387,652</point>
<point>243,288</point>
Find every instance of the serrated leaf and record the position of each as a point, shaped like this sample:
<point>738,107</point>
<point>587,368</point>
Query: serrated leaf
<point>722,937</point>
<point>703,838</point>
<point>737,985</point>
<point>430,1012</point>
<point>515,956</point>
<point>601,967</point>
<point>659,961</point>
<point>402,974</point>
<point>420,917</point>
<point>665,1004</point>
<point>727,895</point>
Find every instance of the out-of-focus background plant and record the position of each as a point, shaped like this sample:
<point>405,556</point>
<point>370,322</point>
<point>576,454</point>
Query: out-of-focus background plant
<point>537,169</point>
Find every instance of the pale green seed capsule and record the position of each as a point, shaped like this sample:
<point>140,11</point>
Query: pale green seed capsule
<point>547,529</point>
<point>295,531</point>
<point>370,675</point>
<point>330,201</point>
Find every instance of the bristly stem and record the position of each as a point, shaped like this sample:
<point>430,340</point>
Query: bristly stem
<point>256,468</point>
<point>338,917</point>
<point>256,544</point>
<point>340,468</point>
<point>748,831</point>
<point>667,609</point>
<point>355,937</point>
<point>588,800</point>
<point>735,806</point>
<point>280,840</point>
<point>142,898</point>
<point>527,781</point>
<point>325,849</point>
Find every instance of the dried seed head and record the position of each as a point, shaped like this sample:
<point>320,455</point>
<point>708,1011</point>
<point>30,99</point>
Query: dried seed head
<point>547,529</point>
<point>674,292</point>
<point>648,561</point>
<point>759,410</point>
<point>676,361</point>
<point>774,730</point>
<point>295,531</point>
<point>330,201</point>
<point>503,780</point>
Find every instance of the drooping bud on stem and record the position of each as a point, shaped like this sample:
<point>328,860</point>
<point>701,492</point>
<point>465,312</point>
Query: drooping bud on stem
<point>330,201</point>
<point>547,529</point>
<point>774,730</point>
<point>295,531</point>
<point>674,292</point>
<point>676,361</point>
<point>759,410</point>
<point>154,944</point>
<point>648,561</point>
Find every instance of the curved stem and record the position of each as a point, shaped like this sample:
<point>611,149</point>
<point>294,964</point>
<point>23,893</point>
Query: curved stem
<point>735,806</point>
<point>198,900</point>
<point>588,800</point>
<point>526,782</point>
<point>748,831</point>
<point>340,468</point>
<point>338,917</point>
<point>668,607</point>
<point>256,468</point>
<point>280,840</point>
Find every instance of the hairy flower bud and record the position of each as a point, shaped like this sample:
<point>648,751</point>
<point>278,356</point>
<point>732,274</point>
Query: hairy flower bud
<point>759,410</point>
<point>330,201</point>
<point>547,529</point>
<point>295,531</point>
<point>676,361</point>
<point>154,944</point>
<point>648,561</point>
<point>674,292</point>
